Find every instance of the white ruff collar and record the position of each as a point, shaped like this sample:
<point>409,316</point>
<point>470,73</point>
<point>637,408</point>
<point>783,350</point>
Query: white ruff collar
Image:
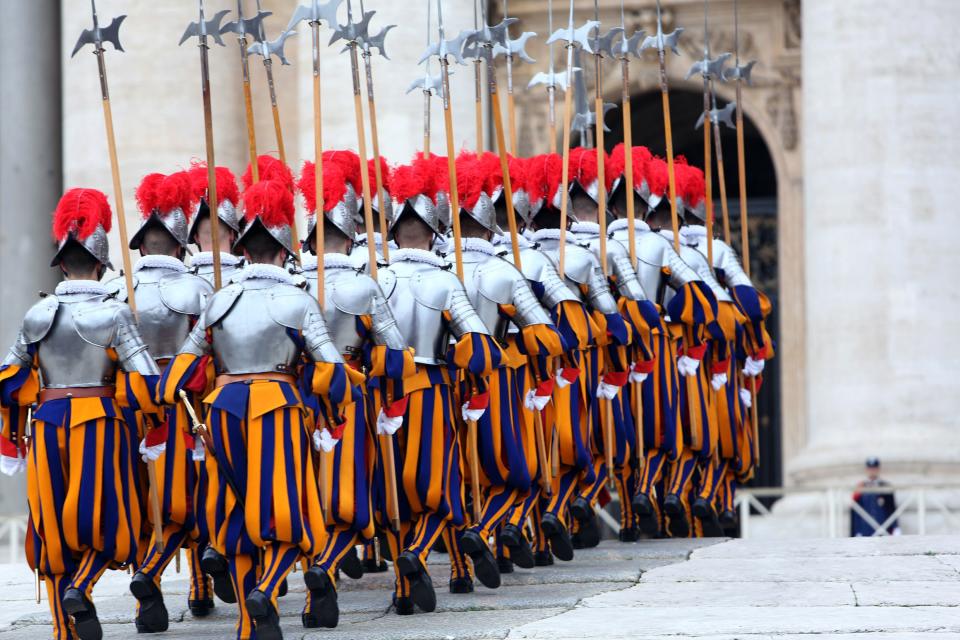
<point>416,255</point>
<point>159,262</point>
<point>552,234</point>
<point>260,271</point>
<point>67,287</point>
<point>330,261</point>
<point>693,234</point>
<point>586,228</point>
<point>617,225</point>
<point>479,245</point>
<point>377,238</point>
<point>205,259</point>
<point>503,240</point>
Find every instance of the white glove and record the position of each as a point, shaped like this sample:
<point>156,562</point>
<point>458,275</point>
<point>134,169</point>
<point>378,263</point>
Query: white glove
<point>752,368</point>
<point>10,466</point>
<point>746,398</point>
<point>607,391</point>
<point>687,366</point>
<point>637,376</point>
<point>148,454</point>
<point>533,402</point>
<point>387,425</point>
<point>560,380</point>
<point>718,381</point>
<point>471,415</point>
<point>199,451</point>
<point>322,440</point>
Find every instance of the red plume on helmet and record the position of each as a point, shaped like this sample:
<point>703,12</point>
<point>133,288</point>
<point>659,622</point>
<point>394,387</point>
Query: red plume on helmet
<point>269,168</point>
<point>518,173</point>
<point>80,211</point>
<point>334,184</point>
<point>271,201</point>
<point>583,166</point>
<point>489,164</point>
<point>407,181</point>
<point>616,163</point>
<point>349,163</point>
<point>657,177</point>
<point>471,178</point>
<point>535,177</point>
<point>691,185</point>
<point>553,177</point>
<point>384,174</point>
<point>161,194</point>
<point>433,172</point>
<point>227,190</point>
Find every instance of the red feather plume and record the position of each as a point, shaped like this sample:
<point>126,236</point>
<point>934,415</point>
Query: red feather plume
<point>583,165</point>
<point>269,168</point>
<point>433,172</point>
<point>535,177</point>
<point>384,174</point>
<point>407,181</point>
<point>553,175</point>
<point>349,163</point>
<point>471,178</point>
<point>657,176</point>
<point>334,185</point>
<point>616,165</point>
<point>81,210</point>
<point>518,174</point>
<point>493,175</point>
<point>163,194</point>
<point>271,200</point>
<point>691,184</point>
<point>227,189</point>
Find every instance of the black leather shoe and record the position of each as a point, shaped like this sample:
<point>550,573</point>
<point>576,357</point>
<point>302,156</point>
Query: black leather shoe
<point>588,535</point>
<point>215,566</point>
<point>152,615</point>
<point>646,514</point>
<point>677,523</point>
<point>505,565</point>
<point>324,609</point>
<point>461,585</point>
<point>84,614</point>
<point>403,606</point>
<point>728,519</point>
<point>266,621</point>
<point>520,552</point>
<point>200,608</point>
<point>576,541</point>
<point>560,544</point>
<point>351,566</point>
<point>484,562</point>
<point>421,586</point>
<point>628,534</point>
<point>703,511</point>
<point>370,566</point>
<point>543,559</point>
<point>283,588</point>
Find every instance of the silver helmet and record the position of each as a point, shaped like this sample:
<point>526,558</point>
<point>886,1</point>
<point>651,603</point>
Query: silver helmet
<point>164,202</point>
<point>409,185</point>
<point>83,218</point>
<point>340,199</point>
<point>228,198</point>
<point>690,190</point>
<point>268,204</point>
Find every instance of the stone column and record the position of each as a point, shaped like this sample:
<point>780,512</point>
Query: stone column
<point>30,178</point>
<point>882,183</point>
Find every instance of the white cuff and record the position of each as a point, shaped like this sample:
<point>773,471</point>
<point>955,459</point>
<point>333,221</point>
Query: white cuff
<point>560,380</point>
<point>607,391</point>
<point>533,402</point>
<point>718,381</point>
<point>746,398</point>
<point>199,451</point>
<point>151,453</point>
<point>387,425</point>
<point>687,366</point>
<point>322,440</point>
<point>471,415</point>
<point>753,367</point>
<point>12,466</point>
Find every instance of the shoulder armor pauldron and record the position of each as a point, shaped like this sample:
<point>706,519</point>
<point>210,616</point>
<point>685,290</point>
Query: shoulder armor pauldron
<point>580,264</point>
<point>96,320</point>
<point>353,293</point>
<point>221,303</point>
<point>289,305</point>
<point>387,280</point>
<point>497,280</point>
<point>432,288</point>
<point>184,293</point>
<point>39,319</point>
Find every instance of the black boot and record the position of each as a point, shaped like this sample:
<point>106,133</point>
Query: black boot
<point>324,609</point>
<point>505,565</point>
<point>350,564</point>
<point>266,621</point>
<point>677,523</point>
<point>215,566</point>
<point>461,585</point>
<point>556,534</point>
<point>646,514</point>
<point>200,608</point>
<point>520,552</point>
<point>403,606</point>
<point>589,531</point>
<point>84,614</point>
<point>703,511</point>
<point>543,559</point>
<point>728,519</point>
<point>628,534</point>
<point>421,586</point>
<point>283,588</point>
<point>370,566</point>
<point>484,562</point>
<point>152,616</point>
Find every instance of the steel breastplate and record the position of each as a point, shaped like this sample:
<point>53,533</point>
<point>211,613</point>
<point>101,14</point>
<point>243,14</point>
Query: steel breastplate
<point>66,358</point>
<point>248,338</point>
<point>421,324</point>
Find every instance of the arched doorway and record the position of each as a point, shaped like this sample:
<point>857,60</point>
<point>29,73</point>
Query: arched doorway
<point>685,108</point>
